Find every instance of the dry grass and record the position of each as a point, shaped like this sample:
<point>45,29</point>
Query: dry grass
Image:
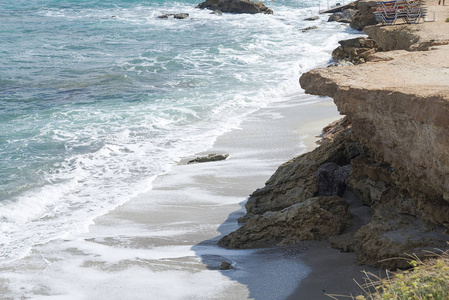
<point>427,280</point>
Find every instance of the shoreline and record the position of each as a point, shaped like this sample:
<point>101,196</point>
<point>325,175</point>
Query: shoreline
<point>265,139</point>
<point>165,239</point>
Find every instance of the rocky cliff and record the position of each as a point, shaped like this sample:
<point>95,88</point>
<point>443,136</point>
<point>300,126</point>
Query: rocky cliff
<point>394,156</point>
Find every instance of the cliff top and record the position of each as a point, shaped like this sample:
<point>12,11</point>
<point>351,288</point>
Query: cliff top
<point>424,73</point>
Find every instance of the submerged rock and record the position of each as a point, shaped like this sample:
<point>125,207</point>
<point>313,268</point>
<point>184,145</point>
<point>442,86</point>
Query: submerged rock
<point>236,6</point>
<point>312,18</point>
<point>226,266</point>
<point>176,16</point>
<point>181,16</point>
<point>309,28</point>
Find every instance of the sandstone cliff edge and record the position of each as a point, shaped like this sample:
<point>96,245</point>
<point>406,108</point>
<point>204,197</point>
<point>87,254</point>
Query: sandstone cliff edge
<point>391,150</point>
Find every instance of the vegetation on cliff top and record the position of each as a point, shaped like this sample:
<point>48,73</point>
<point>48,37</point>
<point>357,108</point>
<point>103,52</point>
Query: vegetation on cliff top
<point>427,279</point>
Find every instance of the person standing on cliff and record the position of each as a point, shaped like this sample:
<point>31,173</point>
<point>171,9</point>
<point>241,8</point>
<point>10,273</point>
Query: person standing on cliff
<point>439,2</point>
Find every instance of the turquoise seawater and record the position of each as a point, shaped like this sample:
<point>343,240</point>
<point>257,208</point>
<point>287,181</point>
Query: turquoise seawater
<point>99,97</point>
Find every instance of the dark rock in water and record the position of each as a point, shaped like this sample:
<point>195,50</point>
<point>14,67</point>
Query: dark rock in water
<point>181,16</point>
<point>226,266</point>
<point>236,6</point>
<point>309,28</point>
<point>216,12</point>
<point>331,179</point>
<point>312,18</point>
<point>210,157</point>
<point>344,16</point>
<point>176,16</point>
<point>313,219</point>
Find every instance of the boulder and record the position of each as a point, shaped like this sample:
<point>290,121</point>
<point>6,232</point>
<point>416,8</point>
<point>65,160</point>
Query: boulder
<point>236,6</point>
<point>344,16</point>
<point>316,218</point>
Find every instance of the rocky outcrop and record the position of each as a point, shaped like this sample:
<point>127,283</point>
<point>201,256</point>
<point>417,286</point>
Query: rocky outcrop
<point>391,150</point>
<point>364,15</point>
<point>296,180</point>
<point>344,16</point>
<point>236,6</point>
<point>332,179</point>
<point>405,37</point>
<point>313,219</point>
<point>356,50</point>
<point>402,120</point>
<point>414,102</point>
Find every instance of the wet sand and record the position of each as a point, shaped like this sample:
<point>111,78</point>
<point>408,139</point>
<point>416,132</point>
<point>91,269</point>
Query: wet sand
<point>199,203</point>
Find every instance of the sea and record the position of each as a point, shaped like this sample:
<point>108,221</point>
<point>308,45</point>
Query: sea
<point>99,98</point>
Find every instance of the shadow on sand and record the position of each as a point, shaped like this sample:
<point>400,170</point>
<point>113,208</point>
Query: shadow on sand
<point>268,273</point>
<point>308,270</point>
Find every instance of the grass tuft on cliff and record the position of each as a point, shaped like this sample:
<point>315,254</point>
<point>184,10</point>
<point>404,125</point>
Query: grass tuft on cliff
<point>426,280</point>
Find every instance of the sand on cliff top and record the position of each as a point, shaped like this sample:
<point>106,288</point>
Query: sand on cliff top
<point>418,72</point>
<point>424,73</point>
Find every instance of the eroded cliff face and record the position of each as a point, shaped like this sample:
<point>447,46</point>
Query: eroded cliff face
<point>399,108</point>
<point>391,150</point>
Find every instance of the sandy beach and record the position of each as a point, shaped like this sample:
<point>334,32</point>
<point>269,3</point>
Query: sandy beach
<point>206,200</point>
<point>164,241</point>
<point>199,203</point>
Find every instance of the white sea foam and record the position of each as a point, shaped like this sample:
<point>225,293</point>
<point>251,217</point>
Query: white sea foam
<point>176,96</point>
